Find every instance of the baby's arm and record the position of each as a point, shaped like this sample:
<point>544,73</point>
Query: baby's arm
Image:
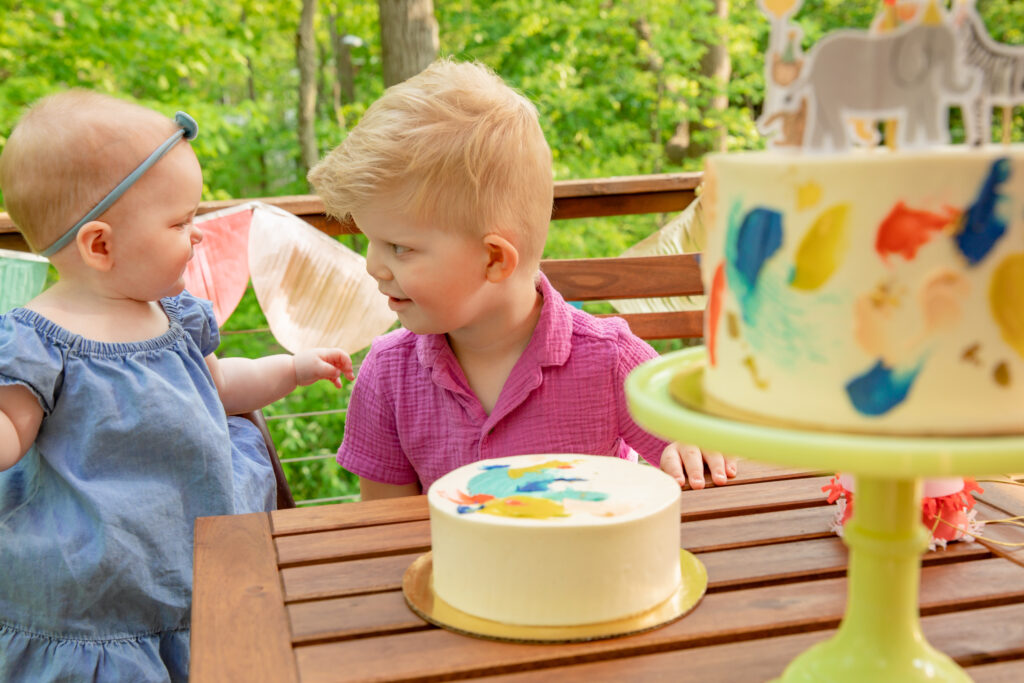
<point>245,384</point>
<point>686,463</point>
<point>20,417</point>
<point>375,490</point>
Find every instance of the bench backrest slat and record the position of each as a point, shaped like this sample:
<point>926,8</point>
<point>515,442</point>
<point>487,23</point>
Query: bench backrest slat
<point>604,279</point>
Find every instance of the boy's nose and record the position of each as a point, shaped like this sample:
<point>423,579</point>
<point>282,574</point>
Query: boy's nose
<point>197,234</point>
<point>374,266</point>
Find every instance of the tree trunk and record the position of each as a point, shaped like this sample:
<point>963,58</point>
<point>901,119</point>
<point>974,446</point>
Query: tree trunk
<point>345,73</point>
<point>307,59</point>
<point>717,67</point>
<point>409,38</point>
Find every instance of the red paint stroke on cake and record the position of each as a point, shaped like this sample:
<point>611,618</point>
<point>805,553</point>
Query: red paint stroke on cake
<point>715,309</point>
<point>905,230</point>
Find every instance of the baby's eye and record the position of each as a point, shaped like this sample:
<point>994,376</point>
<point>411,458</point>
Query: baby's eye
<point>398,249</point>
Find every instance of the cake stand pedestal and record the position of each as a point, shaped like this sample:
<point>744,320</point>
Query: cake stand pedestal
<point>880,635</point>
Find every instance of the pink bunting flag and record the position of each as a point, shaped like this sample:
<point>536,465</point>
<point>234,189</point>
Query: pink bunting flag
<point>219,270</point>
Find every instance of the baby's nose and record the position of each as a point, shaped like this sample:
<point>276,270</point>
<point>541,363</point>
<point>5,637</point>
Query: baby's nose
<point>197,234</point>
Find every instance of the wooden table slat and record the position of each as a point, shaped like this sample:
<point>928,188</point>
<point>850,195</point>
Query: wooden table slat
<point>237,603</point>
<point>327,517</point>
<point>353,543</point>
<point>757,497</point>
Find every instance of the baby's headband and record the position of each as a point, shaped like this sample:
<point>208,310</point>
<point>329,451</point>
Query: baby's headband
<point>188,130</point>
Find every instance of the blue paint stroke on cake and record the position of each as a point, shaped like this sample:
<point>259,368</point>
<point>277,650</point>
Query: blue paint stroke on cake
<point>752,237</point>
<point>759,236</point>
<point>881,388</point>
<point>981,227</point>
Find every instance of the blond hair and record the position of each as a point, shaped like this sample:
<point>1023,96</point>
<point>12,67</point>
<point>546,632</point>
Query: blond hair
<point>66,153</point>
<point>453,145</point>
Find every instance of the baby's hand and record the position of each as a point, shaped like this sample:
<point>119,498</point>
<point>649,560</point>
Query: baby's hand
<point>686,463</point>
<point>328,364</point>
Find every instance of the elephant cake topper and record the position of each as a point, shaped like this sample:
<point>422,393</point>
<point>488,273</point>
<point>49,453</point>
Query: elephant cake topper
<point>893,82</point>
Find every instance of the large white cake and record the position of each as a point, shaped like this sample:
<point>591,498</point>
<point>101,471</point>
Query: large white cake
<point>870,291</point>
<point>555,540</point>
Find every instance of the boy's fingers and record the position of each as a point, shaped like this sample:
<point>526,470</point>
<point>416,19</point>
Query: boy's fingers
<point>693,463</point>
<point>730,467</point>
<point>716,465</point>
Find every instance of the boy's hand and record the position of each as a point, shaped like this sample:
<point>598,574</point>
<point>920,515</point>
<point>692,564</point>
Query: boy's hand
<point>685,463</point>
<point>316,364</point>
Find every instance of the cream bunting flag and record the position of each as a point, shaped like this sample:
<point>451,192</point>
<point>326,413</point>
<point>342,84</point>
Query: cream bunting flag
<point>313,290</point>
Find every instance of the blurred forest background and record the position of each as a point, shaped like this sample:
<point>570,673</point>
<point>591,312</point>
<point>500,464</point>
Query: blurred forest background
<point>623,87</point>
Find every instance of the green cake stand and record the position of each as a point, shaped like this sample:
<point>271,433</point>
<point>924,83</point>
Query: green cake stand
<point>880,636</point>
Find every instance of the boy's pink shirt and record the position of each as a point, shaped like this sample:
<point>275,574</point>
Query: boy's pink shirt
<point>413,417</point>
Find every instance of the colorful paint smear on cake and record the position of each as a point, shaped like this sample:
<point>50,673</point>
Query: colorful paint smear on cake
<point>772,321</point>
<point>1006,298</point>
<point>534,492</point>
<point>881,388</point>
<point>715,310</point>
<point>877,330</point>
<point>942,298</point>
<point>982,226</point>
<point>905,230</point>
<point>822,249</point>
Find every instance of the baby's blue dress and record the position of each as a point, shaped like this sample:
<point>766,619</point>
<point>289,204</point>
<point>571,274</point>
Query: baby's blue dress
<point>96,519</point>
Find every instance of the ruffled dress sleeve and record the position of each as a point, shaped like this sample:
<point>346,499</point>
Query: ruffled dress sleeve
<point>29,359</point>
<point>196,316</point>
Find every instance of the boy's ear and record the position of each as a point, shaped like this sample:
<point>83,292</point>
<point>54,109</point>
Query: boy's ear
<point>94,245</point>
<point>502,257</point>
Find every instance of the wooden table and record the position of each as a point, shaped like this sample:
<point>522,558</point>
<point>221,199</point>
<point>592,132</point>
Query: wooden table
<point>315,595</point>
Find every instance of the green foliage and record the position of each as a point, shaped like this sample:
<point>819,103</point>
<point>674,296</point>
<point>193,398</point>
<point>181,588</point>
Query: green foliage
<point>611,81</point>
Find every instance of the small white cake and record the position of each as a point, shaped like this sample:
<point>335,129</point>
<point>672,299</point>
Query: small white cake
<point>555,540</point>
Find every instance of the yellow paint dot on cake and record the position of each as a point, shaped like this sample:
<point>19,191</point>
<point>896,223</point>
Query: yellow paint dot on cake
<point>732,324</point>
<point>822,249</point>
<point>1002,374</point>
<point>970,354</point>
<point>808,195</point>
<point>751,365</point>
<point>1006,298</point>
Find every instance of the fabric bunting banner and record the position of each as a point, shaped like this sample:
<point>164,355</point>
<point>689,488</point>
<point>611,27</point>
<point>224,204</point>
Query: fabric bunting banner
<point>219,269</point>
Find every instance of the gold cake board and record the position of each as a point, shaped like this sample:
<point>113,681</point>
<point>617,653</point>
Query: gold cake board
<point>417,586</point>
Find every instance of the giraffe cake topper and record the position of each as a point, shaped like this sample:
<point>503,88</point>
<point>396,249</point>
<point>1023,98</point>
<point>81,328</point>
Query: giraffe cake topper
<point>893,82</point>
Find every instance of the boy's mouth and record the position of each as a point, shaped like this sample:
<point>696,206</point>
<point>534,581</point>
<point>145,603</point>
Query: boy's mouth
<point>394,301</point>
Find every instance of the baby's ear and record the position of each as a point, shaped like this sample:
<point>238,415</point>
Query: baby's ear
<point>502,257</point>
<point>93,242</point>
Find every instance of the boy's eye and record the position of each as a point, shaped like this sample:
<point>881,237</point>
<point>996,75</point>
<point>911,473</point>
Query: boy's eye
<point>398,249</point>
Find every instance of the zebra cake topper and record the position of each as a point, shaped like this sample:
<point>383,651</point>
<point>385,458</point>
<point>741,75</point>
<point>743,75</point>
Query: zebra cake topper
<point>1001,68</point>
<point>901,75</point>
